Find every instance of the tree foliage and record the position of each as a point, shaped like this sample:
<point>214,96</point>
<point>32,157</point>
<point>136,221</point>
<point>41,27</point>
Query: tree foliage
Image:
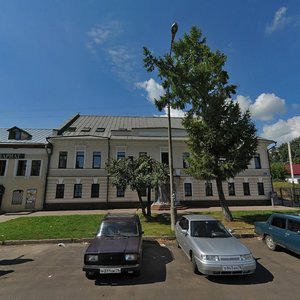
<point>278,171</point>
<point>222,140</point>
<point>138,173</point>
<point>280,153</point>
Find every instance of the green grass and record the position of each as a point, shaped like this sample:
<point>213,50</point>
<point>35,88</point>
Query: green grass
<point>85,226</point>
<point>284,184</point>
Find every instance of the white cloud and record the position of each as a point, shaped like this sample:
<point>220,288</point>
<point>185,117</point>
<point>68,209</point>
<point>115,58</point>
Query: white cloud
<point>101,34</point>
<point>154,90</point>
<point>279,21</point>
<point>283,131</point>
<point>264,108</point>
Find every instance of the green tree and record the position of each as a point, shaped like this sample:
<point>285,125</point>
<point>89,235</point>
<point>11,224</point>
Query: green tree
<point>280,153</point>
<point>278,171</point>
<point>221,138</point>
<point>139,173</point>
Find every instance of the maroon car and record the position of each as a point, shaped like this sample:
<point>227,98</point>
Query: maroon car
<point>116,248</point>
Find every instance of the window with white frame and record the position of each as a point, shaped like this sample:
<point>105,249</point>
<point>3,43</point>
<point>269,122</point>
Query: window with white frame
<point>60,191</point>
<point>121,155</point>
<point>246,188</point>
<point>257,161</point>
<point>208,189</point>
<point>120,192</point>
<point>260,188</point>
<point>231,189</point>
<point>2,167</point>
<point>77,190</point>
<point>79,159</point>
<point>21,167</point>
<point>185,157</point>
<point>35,168</point>
<point>62,160</point>
<point>95,189</point>
<point>188,189</point>
<point>96,160</point>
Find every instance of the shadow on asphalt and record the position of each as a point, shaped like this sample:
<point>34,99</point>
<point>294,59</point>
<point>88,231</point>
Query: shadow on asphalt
<point>15,261</point>
<point>3,273</point>
<point>155,259</point>
<point>261,275</point>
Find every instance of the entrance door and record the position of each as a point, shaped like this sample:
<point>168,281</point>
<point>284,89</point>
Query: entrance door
<point>30,198</point>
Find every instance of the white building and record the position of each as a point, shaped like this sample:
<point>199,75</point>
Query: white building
<point>77,177</point>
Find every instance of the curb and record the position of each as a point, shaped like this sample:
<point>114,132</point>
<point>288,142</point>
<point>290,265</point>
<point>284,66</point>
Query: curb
<point>87,240</point>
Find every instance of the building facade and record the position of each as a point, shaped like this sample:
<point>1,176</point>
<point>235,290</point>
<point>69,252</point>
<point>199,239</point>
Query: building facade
<point>77,178</point>
<point>24,155</point>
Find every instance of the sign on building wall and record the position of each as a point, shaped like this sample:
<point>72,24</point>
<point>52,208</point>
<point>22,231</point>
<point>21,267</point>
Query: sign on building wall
<point>12,155</point>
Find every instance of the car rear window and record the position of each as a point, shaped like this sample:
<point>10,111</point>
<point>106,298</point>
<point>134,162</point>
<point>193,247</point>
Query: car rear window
<point>294,225</point>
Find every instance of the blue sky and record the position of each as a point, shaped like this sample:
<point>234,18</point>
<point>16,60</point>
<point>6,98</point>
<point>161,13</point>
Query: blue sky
<point>62,57</point>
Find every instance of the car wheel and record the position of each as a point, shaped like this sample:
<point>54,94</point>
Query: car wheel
<point>270,243</point>
<point>91,275</point>
<point>194,265</point>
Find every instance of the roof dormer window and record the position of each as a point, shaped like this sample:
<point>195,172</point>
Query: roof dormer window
<point>18,134</point>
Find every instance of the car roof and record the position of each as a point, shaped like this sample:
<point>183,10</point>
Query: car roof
<point>290,216</point>
<point>121,217</point>
<point>199,218</point>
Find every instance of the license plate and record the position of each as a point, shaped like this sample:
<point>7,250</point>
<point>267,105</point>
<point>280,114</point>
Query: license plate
<point>231,268</point>
<point>110,270</point>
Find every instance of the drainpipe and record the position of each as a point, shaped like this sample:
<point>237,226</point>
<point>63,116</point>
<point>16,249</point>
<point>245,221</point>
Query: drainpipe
<point>48,148</point>
<point>107,175</point>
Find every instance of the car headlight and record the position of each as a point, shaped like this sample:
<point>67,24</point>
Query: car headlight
<point>246,257</point>
<point>209,257</point>
<point>91,258</point>
<point>131,257</point>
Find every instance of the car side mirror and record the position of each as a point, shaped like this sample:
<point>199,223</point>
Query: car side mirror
<point>184,231</point>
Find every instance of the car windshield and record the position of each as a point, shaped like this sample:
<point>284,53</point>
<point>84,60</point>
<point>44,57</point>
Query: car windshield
<point>208,229</point>
<point>118,228</point>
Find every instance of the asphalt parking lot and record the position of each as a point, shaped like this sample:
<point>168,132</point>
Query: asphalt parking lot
<point>52,271</point>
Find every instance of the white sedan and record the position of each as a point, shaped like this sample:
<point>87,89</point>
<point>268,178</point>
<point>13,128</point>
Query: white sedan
<point>211,248</point>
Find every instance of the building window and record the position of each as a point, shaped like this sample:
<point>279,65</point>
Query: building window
<point>96,160</point>
<point>2,167</point>
<point>60,191</point>
<point>143,191</point>
<point>246,188</point>
<point>185,157</point>
<point>95,190</point>
<point>17,197</point>
<point>260,188</point>
<point>165,158</point>
<point>257,162</point>
<point>120,192</point>
<point>35,168</point>
<point>231,189</point>
<point>121,155</point>
<point>77,190</point>
<point>142,153</point>
<point>79,160</point>
<point>188,189</point>
<point>21,169</point>
<point>62,161</point>
<point>208,189</point>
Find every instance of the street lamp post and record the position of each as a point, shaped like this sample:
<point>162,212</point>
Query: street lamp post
<point>173,211</point>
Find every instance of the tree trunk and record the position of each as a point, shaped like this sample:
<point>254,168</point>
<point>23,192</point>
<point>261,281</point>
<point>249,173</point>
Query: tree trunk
<point>142,203</point>
<point>223,203</point>
<point>149,202</point>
